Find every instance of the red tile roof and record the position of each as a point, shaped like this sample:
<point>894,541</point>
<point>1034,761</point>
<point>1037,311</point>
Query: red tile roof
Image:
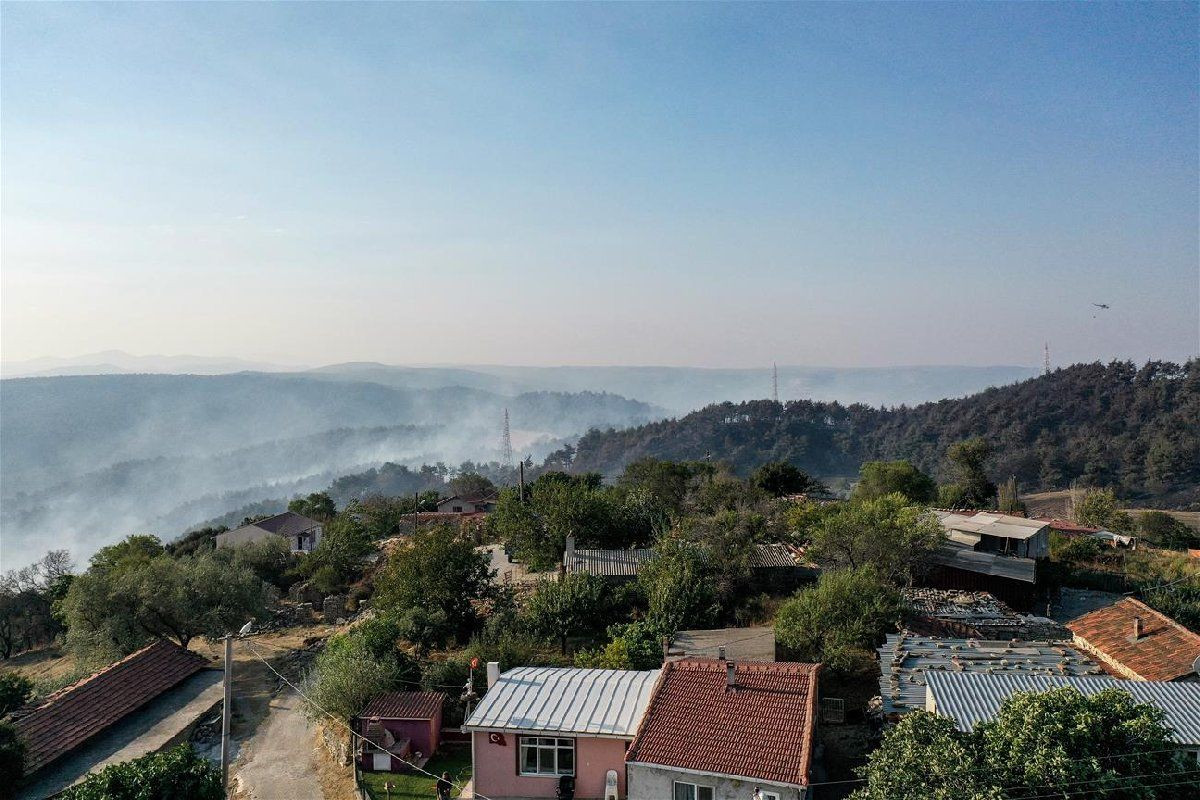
<point>760,730</point>
<point>404,705</point>
<point>1165,651</point>
<point>65,719</point>
<point>1066,526</point>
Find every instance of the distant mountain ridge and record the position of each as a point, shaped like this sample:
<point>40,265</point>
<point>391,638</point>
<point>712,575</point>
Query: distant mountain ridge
<point>1136,429</point>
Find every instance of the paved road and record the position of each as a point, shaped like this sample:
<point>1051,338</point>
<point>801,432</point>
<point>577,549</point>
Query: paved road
<point>278,761</point>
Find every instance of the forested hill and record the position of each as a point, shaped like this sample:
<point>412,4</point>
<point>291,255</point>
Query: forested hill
<point>1137,430</point>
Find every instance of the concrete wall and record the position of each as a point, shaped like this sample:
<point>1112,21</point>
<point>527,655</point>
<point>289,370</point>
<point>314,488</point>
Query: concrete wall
<point>497,773</point>
<point>656,783</point>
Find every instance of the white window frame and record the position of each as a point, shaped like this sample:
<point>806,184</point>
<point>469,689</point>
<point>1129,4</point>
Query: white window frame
<point>547,747</point>
<point>695,793</point>
<point>769,795</point>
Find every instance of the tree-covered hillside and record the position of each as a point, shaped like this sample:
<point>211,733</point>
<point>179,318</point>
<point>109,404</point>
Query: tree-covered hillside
<point>1137,430</point>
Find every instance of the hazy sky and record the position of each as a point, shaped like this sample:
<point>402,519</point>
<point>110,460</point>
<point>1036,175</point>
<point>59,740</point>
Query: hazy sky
<point>601,184</point>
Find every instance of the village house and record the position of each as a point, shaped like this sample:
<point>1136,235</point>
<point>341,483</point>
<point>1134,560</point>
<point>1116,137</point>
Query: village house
<point>467,505</point>
<point>539,728</point>
<point>398,728</point>
<point>1132,640</point>
<point>996,553</point>
<point>972,698</point>
<point>302,534</point>
<point>719,730</point>
<point>138,705</point>
<point>907,658</point>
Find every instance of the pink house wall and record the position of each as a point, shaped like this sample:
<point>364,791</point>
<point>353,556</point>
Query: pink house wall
<point>496,773</point>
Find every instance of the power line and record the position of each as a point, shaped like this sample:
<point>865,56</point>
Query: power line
<point>338,720</point>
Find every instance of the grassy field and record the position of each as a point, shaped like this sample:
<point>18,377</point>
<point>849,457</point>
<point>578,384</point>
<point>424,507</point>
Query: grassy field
<point>455,759</point>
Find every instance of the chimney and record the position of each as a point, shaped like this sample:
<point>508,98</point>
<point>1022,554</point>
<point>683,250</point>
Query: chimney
<point>666,643</point>
<point>730,676</point>
<point>493,673</point>
<point>721,652</point>
<point>1137,628</point>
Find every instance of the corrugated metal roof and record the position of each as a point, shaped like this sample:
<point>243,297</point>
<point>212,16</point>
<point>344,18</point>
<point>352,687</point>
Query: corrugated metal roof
<point>991,524</point>
<point>626,563</point>
<point>599,702</point>
<point>962,557</point>
<point>906,659</point>
<point>969,699</point>
<point>771,555</point>
<point>609,563</point>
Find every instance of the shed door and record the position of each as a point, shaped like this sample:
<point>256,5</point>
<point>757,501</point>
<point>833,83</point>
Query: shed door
<point>382,762</point>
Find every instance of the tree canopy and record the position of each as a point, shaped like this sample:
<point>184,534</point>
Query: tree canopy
<point>895,537</point>
<point>839,620</point>
<point>176,773</point>
<point>1038,745</point>
<point>879,478</point>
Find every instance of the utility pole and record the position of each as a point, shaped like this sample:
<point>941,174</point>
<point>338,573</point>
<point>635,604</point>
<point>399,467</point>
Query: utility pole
<point>774,381</point>
<point>506,441</point>
<point>521,484</point>
<point>416,508</point>
<point>226,713</point>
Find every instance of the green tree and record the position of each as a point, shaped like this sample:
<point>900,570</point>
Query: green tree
<point>112,612</point>
<point>633,645</point>
<point>1163,530</point>
<point>351,670</point>
<point>667,482</point>
<point>1099,508</point>
<point>968,460</point>
<point>338,560</point>
<point>12,759</point>
<point>318,506</point>
<point>839,620</point>
<point>779,478</point>
<point>173,774</point>
<point>15,690</point>
<point>437,572</point>
<point>898,539</point>
<point>1038,745</point>
<point>880,478</point>
<point>677,586</point>
<point>574,605</point>
<point>472,484</point>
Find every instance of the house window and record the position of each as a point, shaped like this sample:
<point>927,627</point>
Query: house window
<point>547,756</point>
<point>770,796</point>
<point>691,791</point>
<point>458,509</point>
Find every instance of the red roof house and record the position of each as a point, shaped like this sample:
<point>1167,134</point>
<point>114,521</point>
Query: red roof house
<point>69,717</point>
<point>400,728</point>
<point>718,729</point>
<point>1132,640</point>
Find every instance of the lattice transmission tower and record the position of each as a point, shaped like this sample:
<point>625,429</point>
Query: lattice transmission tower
<point>506,441</point>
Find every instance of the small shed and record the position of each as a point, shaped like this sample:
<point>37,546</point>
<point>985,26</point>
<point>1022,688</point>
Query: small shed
<point>399,728</point>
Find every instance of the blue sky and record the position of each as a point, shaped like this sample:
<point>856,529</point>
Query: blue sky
<point>723,185</point>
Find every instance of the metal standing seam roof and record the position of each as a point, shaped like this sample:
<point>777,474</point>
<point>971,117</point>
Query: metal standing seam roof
<point>969,699</point>
<point>906,659</point>
<point>597,702</point>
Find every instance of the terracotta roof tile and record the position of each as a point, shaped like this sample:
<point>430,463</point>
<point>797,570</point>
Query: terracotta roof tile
<point>404,705</point>
<point>761,730</point>
<point>1165,651</point>
<point>65,719</point>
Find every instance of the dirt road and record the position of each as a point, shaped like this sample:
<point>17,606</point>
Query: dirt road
<point>279,761</point>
